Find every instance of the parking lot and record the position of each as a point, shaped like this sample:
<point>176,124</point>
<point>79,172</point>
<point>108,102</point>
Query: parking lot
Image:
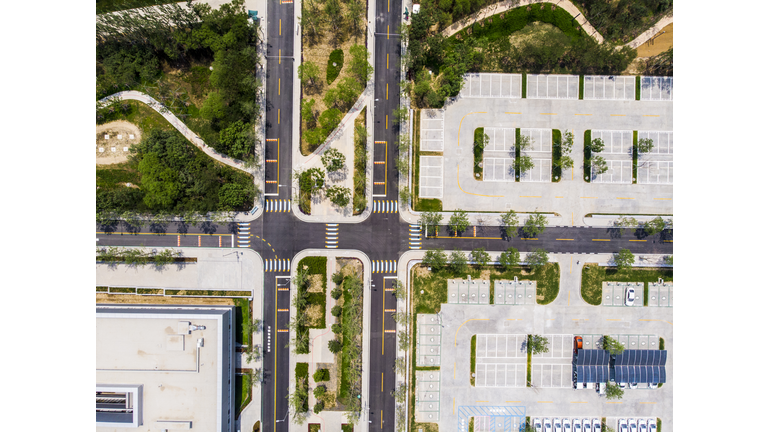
<point>616,423</point>
<point>609,87</point>
<point>540,152</point>
<point>469,292</point>
<point>513,292</point>
<point>501,360</point>
<point>500,140</point>
<point>656,88</point>
<point>617,152</point>
<point>656,167</point>
<point>614,293</point>
<point>492,85</point>
<point>552,86</point>
<point>428,333</point>
<point>630,341</point>
<point>499,169</point>
<point>660,295</point>
<point>560,347</point>
<point>432,130</point>
<point>427,396</point>
<point>501,346</point>
<point>431,177</point>
<point>555,423</point>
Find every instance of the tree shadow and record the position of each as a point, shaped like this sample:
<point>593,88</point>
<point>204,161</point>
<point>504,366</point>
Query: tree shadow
<point>640,233</point>
<point>666,235</point>
<point>182,227</point>
<point>208,227</point>
<point>158,227</point>
<point>132,229</point>
<point>108,227</point>
<point>614,232</point>
<point>232,227</point>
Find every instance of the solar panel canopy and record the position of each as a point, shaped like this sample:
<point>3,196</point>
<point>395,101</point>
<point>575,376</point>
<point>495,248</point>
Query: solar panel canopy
<point>592,366</point>
<point>640,366</point>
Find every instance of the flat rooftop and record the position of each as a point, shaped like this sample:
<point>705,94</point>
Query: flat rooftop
<point>187,374</point>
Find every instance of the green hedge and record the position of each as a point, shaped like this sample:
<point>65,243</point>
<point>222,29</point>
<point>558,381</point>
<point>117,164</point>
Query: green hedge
<point>302,372</point>
<point>587,156</point>
<point>332,72</point>
<point>634,157</point>
<point>525,85</point>
<point>517,153</point>
<point>477,149</point>
<point>637,87</point>
<point>429,204</point>
<point>581,87</point>
<point>472,359</point>
<point>519,17</point>
<point>557,171</point>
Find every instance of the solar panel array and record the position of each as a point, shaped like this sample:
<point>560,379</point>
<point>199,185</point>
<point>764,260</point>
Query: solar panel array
<point>641,366</point>
<point>592,366</point>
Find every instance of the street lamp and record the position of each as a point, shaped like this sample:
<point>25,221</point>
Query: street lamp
<point>286,416</point>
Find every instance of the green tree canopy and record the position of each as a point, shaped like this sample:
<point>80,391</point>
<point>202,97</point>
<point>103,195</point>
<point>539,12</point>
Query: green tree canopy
<point>510,258</point>
<point>459,221</point>
<point>435,258</point>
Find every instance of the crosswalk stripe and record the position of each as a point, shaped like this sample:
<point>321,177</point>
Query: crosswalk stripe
<point>390,331</point>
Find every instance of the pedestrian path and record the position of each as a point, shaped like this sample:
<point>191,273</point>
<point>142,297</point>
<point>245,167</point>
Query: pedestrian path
<point>384,266</point>
<point>414,236</point>
<point>277,205</point>
<point>331,236</point>
<point>277,265</point>
<point>243,235</point>
<point>384,206</point>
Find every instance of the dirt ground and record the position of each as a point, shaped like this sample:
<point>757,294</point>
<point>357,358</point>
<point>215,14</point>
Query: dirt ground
<point>138,299</point>
<point>315,283</point>
<point>349,266</point>
<point>122,135</point>
<point>661,43</point>
<point>315,315</point>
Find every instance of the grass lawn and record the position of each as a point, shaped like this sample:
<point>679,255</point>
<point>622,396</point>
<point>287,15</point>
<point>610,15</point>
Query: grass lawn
<point>243,316</point>
<point>637,87</point>
<point>525,86</point>
<point>242,392</point>
<point>334,66</point>
<point>351,351</point>
<point>593,276</point>
<point>302,372</point>
<point>142,116</point>
<point>528,369</point>
<point>587,156</point>
<point>471,424</point>
<point>472,359</point>
<point>478,152</point>
<point>361,160</point>
<point>634,157</point>
<point>317,266</point>
<point>347,428</point>
<point>314,427</point>
<point>556,155</point>
<point>661,343</point>
<point>110,176</point>
<point>581,87</point>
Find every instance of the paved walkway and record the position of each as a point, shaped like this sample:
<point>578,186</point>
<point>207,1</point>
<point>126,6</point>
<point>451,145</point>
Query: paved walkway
<point>651,32</point>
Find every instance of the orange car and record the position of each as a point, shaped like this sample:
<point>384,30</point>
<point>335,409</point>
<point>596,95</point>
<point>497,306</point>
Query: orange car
<point>577,343</point>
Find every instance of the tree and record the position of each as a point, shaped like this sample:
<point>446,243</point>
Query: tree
<point>298,401</point>
<point>399,365</point>
<point>537,258</point>
<point>613,391</point>
<point>213,108</point>
<point>336,311</point>
<point>430,219</point>
<point>321,375</point>
<point>400,393</point>
<point>459,221</point>
<point>233,196</point>
<point>319,405</point>
<point>403,341</point>
<point>510,258</point>
<point>359,66</point>
<point>654,226</point>
<point>334,346</point>
<point>599,165</point>
<point>524,143</point>
<point>596,146</point>
<point>336,328</point>
<point>164,258</point>
<point>538,344</point>
<point>311,180</point>
<point>566,145</point>
<point>401,318</point>
<point>329,119</point>
<point>400,115</point>
<point>524,164</point>
<point>339,195</point>
<point>405,196</point>
<point>333,159</point>
<point>435,258</point>
<point>612,345</point>
<point>509,220</point>
<point>400,290</point>
<point>668,260</point>
<point>534,225</point>
<point>458,262</point>
<point>479,256</point>
<point>644,145</point>
<point>308,112</point>
<point>625,222</point>
<point>309,74</point>
<point>238,139</point>
<point>624,259</point>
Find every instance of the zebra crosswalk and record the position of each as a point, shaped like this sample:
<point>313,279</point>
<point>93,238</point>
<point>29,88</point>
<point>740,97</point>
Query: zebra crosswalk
<point>414,236</point>
<point>277,205</point>
<point>384,206</point>
<point>277,265</point>
<point>331,236</point>
<point>384,266</point>
<point>243,234</point>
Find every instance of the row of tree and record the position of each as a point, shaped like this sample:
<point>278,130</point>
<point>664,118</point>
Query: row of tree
<point>457,261</point>
<point>459,222</point>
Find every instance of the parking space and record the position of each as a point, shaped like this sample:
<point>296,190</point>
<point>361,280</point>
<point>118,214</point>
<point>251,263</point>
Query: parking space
<point>662,141</point>
<point>499,169</point>
<point>591,341</point>
<point>469,292</point>
<point>651,172</point>
<point>660,294</point>
<point>432,130</point>
<point>500,140</point>
<point>639,341</point>
<point>614,293</point>
<point>491,418</point>
<point>427,396</point>
<point>619,171</point>
<point>541,171</point>
<point>625,424</point>
<point>609,87</point>
<point>656,88</point>
<point>428,335</point>
<point>497,346</point>
<point>558,422</point>
<point>431,177</point>
<point>514,292</point>
<point>541,141</point>
<point>552,375</point>
<point>560,347</point>
<point>492,85</point>
<point>656,167</point>
<point>617,142</point>
<point>552,86</point>
<point>500,375</point>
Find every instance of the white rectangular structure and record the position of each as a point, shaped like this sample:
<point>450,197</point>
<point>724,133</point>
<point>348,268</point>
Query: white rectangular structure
<point>656,88</point>
<point>609,87</point>
<point>431,177</point>
<point>492,85</point>
<point>432,130</point>
<point>552,86</point>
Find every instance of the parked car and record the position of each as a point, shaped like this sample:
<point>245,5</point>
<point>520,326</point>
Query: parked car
<point>600,388</point>
<point>651,425</point>
<point>537,424</point>
<point>653,385</point>
<point>547,425</point>
<point>587,425</point>
<point>629,299</point>
<point>576,425</point>
<point>633,385</point>
<point>577,343</point>
<point>558,425</point>
<point>632,425</point>
<point>623,425</point>
<point>623,385</point>
<point>596,425</point>
<point>566,425</point>
<point>643,425</point>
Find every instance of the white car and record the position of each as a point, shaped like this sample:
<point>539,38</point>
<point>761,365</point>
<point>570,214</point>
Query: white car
<point>547,425</point>
<point>623,425</point>
<point>623,385</point>
<point>587,425</point>
<point>629,299</point>
<point>632,425</point>
<point>596,425</point>
<point>566,425</point>
<point>653,385</point>
<point>558,425</point>
<point>651,425</point>
<point>633,385</point>
<point>576,425</point>
<point>643,423</point>
<point>537,424</point>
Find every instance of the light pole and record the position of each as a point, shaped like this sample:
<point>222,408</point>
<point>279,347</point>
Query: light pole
<point>286,416</point>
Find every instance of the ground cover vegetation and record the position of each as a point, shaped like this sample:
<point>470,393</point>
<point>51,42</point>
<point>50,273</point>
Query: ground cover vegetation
<point>169,175</point>
<point>334,69</point>
<point>436,64</point>
<point>299,399</point>
<point>309,300</point>
<point>359,201</point>
<point>623,20</point>
<point>593,276</point>
<point>481,141</point>
<point>562,145</point>
<point>104,6</point>
<point>199,62</point>
<point>351,345</point>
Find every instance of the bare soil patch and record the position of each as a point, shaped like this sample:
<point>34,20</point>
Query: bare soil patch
<point>315,316</point>
<point>350,267</point>
<point>137,299</point>
<point>657,45</point>
<point>315,283</point>
<point>113,140</point>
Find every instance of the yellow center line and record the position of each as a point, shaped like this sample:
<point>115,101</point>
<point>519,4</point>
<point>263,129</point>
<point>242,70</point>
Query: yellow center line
<point>464,238</point>
<point>381,416</point>
<point>579,402</point>
<point>274,414</point>
<point>382,381</point>
<point>387,91</point>
<point>386,123</point>
<point>278,116</point>
<point>387,32</point>
<point>588,197</point>
<point>639,240</point>
<point>281,27</point>
<point>278,86</point>
<point>623,198</point>
<point>601,239</point>
<point>388,1</point>
<point>559,197</point>
<point>382,326</point>
<point>615,402</point>
<point>279,55</point>
<point>565,239</point>
<point>667,241</point>
<point>530,196</point>
<point>514,319</point>
<point>535,238</point>
<point>482,401</point>
<point>462,325</point>
<point>387,60</point>
<point>583,114</point>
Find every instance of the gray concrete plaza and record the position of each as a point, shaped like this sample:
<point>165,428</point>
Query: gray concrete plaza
<point>571,197</point>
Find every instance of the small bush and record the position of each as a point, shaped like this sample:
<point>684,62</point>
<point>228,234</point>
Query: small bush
<point>319,391</point>
<point>336,328</point>
<point>319,406</point>
<point>337,278</point>
<point>336,310</point>
<point>337,56</point>
<point>321,375</point>
<point>334,346</point>
<point>336,293</point>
